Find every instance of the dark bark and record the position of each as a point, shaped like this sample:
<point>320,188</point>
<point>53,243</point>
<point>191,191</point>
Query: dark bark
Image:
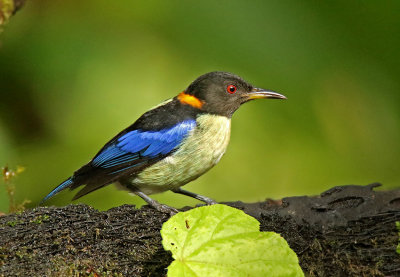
<point>346,231</point>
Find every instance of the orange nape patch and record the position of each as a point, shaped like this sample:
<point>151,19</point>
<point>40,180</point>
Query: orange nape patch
<point>190,100</point>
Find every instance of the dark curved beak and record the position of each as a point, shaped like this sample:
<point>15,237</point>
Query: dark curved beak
<point>258,93</point>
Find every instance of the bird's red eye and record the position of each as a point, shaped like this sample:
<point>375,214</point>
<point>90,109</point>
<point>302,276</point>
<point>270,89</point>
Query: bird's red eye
<point>231,89</point>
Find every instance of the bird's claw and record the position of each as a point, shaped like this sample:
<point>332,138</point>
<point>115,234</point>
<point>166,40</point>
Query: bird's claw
<point>211,202</point>
<point>166,209</point>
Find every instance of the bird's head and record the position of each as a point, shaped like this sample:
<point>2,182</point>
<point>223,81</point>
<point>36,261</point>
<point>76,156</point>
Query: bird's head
<point>222,93</point>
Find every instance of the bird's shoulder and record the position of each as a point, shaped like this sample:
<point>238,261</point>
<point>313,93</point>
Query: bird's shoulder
<point>165,115</point>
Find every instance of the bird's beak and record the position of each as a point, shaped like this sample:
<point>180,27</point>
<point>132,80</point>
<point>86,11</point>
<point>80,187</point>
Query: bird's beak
<point>257,93</point>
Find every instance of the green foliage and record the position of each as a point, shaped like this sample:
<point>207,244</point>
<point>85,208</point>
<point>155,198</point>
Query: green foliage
<point>6,10</point>
<point>8,176</point>
<point>398,229</point>
<point>219,240</point>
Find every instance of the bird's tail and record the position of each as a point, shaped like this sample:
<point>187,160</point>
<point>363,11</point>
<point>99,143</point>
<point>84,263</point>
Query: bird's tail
<point>66,184</point>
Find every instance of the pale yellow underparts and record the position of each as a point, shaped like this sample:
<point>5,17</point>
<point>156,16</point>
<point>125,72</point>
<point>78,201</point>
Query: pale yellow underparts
<point>199,152</point>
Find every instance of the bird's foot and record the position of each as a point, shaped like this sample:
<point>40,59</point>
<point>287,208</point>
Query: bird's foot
<point>210,201</point>
<point>165,209</point>
<point>156,205</point>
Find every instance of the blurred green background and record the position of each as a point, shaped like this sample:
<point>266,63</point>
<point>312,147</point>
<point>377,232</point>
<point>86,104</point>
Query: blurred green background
<point>74,73</point>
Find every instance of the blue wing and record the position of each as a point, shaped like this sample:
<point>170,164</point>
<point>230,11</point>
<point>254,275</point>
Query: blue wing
<point>138,144</point>
<point>126,151</point>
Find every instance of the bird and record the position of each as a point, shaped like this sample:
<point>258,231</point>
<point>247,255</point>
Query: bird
<point>170,145</point>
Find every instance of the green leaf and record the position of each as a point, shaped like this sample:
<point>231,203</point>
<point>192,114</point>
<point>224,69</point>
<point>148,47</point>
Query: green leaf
<point>219,240</point>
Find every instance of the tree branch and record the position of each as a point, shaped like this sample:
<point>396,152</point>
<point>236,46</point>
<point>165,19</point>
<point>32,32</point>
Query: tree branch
<point>346,231</point>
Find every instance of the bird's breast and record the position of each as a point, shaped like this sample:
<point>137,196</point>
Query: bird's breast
<point>199,151</point>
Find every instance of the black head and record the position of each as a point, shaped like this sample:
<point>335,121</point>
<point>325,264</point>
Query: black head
<point>222,93</point>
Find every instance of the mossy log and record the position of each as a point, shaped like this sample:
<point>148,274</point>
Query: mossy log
<point>345,231</point>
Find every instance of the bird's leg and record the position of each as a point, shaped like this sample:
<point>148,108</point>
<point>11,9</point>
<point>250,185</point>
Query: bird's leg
<point>158,206</point>
<point>202,198</point>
